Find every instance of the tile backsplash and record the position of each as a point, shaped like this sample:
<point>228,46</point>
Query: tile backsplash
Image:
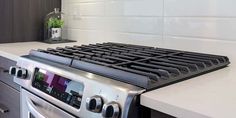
<point>149,22</point>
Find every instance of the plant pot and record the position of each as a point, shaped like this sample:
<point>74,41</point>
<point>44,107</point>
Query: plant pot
<point>56,33</point>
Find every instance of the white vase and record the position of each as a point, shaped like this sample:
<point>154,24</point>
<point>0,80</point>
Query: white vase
<point>56,33</point>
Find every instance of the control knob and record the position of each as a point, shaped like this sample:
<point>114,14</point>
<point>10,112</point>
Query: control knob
<point>111,110</point>
<point>21,73</point>
<point>94,104</point>
<point>12,70</point>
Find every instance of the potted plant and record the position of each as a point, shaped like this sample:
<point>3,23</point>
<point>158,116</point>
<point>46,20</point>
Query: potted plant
<point>55,24</point>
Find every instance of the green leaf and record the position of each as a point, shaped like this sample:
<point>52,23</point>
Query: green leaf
<point>55,23</point>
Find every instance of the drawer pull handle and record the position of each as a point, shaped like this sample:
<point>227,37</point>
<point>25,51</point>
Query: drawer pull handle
<point>3,109</point>
<point>4,70</point>
<point>33,109</point>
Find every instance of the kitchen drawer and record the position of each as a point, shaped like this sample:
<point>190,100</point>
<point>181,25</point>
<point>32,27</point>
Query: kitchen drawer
<point>4,76</point>
<point>9,101</point>
<point>157,114</point>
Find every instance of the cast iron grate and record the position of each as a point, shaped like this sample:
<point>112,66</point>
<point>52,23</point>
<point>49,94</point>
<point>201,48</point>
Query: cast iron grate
<point>143,66</point>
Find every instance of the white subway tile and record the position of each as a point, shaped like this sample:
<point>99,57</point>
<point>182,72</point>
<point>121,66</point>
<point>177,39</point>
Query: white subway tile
<point>134,38</point>
<point>78,10</point>
<point>85,36</point>
<point>200,8</point>
<point>92,9</point>
<point>76,1</point>
<point>86,23</point>
<point>65,10</point>
<point>73,9</point>
<point>134,7</point>
<point>203,45</point>
<point>72,1</point>
<point>94,36</point>
<point>217,28</point>
<point>143,25</point>
<point>64,6</point>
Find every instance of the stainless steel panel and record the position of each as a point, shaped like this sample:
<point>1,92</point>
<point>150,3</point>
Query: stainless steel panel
<point>32,105</point>
<point>108,89</point>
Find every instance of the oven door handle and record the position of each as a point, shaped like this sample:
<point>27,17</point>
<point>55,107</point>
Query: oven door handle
<point>33,109</point>
<point>3,109</point>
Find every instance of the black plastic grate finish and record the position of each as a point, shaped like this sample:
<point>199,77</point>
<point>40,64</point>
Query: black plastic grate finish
<point>143,66</point>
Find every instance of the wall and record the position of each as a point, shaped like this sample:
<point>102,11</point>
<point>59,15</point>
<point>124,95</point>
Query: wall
<point>150,22</point>
<point>22,20</point>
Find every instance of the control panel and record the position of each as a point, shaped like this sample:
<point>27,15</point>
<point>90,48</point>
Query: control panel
<point>61,88</point>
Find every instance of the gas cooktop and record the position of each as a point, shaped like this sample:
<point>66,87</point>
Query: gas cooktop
<point>142,66</point>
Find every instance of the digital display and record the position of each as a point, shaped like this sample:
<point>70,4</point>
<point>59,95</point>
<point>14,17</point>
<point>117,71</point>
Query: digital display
<point>59,87</point>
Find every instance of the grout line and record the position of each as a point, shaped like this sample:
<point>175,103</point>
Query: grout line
<point>86,2</point>
<point>163,21</point>
<point>95,30</point>
<point>223,17</point>
<point>118,16</point>
<point>199,37</point>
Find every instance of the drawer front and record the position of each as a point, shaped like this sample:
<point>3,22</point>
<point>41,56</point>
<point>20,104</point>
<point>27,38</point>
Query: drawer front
<point>5,64</point>
<point>9,102</point>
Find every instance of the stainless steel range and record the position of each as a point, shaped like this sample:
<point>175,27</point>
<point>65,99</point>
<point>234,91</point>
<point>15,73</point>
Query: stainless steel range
<point>102,80</point>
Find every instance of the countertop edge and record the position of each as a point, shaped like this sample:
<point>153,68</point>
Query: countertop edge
<point>169,109</point>
<point>9,56</point>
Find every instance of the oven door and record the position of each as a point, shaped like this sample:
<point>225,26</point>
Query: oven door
<point>35,107</point>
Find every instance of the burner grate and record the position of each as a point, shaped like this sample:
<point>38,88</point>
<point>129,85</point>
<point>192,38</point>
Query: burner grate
<point>143,66</point>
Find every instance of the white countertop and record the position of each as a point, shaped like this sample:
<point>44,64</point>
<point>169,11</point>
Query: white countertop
<point>14,50</point>
<point>208,95</point>
<point>212,95</point>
